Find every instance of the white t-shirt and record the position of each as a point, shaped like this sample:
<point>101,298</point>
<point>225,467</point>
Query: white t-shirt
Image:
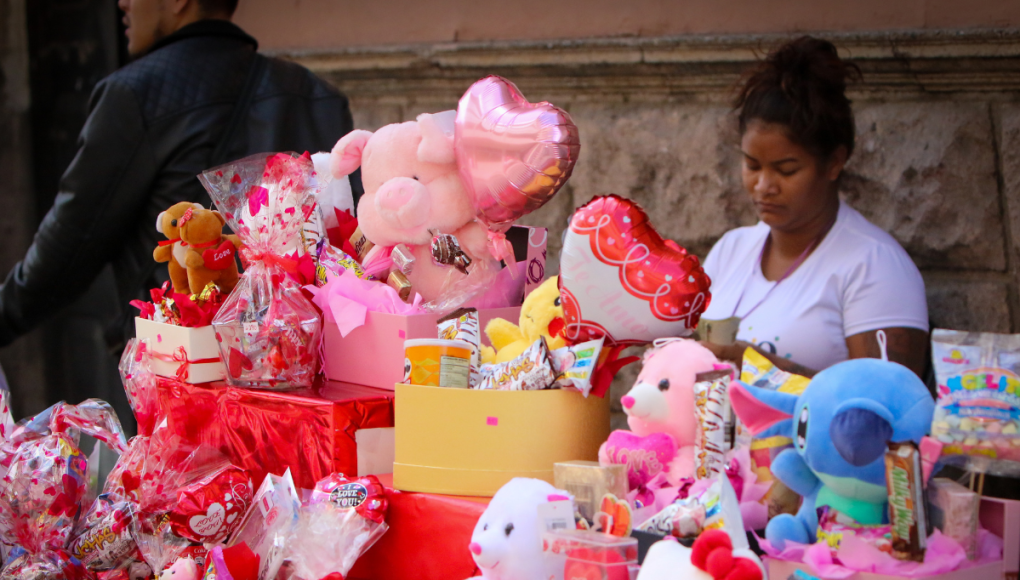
<point>857,280</point>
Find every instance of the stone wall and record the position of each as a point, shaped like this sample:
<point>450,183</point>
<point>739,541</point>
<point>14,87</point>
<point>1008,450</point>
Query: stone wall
<point>937,162</point>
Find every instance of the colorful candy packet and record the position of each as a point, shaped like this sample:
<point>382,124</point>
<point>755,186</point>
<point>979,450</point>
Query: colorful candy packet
<point>834,527</point>
<point>977,414</point>
<point>907,516</point>
<point>575,365</point>
<point>530,371</point>
<point>714,436</point>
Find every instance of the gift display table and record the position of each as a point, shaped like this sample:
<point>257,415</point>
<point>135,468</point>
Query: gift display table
<point>314,432</point>
<point>427,540</point>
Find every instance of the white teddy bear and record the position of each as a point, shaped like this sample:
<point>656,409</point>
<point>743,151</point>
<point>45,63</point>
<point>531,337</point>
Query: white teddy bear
<point>506,543</point>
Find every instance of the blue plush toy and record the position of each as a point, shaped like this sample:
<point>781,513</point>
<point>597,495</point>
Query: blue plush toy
<point>840,426</point>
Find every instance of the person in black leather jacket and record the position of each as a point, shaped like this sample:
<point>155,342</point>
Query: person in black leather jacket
<point>152,128</point>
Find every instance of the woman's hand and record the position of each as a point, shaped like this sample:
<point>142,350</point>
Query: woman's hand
<point>734,353</point>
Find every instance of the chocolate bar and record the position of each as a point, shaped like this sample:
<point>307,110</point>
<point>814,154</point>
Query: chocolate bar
<point>401,284</point>
<point>906,501</point>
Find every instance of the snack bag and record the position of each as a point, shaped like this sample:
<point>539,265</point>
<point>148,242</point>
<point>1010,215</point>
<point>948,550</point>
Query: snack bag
<point>713,437</point>
<point>532,370</point>
<point>268,331</point>
<point>977,414</point>
<point>758,371</point>
<point>575,365</point>
<point>342,520</point>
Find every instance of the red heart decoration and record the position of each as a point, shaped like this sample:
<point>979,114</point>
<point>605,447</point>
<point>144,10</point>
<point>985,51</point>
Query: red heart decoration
<point>619,278</point>
<point>219,257</point>
<point>238,362</point>
<point>513,156</point>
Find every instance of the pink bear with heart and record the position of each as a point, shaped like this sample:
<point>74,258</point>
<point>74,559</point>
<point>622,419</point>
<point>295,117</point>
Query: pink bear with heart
<point>412,189</point>
<point>661,416</point>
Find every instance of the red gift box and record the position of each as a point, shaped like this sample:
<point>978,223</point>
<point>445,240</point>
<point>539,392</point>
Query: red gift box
<point>311,431</point>
<point>428,538</point>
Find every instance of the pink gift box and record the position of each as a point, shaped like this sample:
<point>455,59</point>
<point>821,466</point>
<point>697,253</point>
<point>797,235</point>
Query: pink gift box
<point>782,570</point>
<point>373,354</point>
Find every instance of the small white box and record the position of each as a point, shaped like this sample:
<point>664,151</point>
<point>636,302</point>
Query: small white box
<point>198,344</point>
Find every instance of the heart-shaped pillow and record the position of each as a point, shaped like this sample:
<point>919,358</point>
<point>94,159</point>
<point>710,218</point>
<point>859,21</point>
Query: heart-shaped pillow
<point>219,257</point>
<point>620,279</point>
<point>513,156</point>
<point>645,457</point>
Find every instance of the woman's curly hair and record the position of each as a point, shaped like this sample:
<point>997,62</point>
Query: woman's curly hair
<point>802,86</point>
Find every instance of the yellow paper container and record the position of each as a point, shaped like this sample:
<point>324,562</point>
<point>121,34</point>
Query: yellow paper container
<point>466,442</point>
<point>437,362</point>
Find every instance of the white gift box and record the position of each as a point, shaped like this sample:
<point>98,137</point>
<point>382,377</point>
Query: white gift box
<point>189,354</point>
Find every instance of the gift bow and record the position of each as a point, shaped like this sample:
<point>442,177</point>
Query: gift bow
<point>301,268</point>
<point>181,356</point>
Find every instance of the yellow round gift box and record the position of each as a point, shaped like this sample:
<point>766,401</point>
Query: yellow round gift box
<point>468,442</point>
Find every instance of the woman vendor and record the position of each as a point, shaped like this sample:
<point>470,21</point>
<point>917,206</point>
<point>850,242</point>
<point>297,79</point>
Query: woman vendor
<point>813,281</point>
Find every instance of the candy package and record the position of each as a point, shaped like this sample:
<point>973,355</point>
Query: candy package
<point>908,516</point>
<point>954,510</point>
<point>574,365</point>
<point>102,538</point>
<point>977,414</point>
<point>45,484</point>
<point>343,519</point>
<point>713,437</point>
<point>268,331</point>
<point>465,278</point>
<point>532,370</point>
<point>334,261</point>
<point>833,527</point>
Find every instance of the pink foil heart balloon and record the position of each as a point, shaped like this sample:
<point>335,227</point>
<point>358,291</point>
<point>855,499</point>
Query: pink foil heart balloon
<point>513,155</point>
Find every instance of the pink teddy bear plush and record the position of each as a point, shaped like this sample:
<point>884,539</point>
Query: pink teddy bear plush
<point>412,190</point>
<point>660,413</point>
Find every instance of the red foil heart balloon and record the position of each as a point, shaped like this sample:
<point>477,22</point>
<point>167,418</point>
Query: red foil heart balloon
<point>513,155</point>
<point>620,279</point>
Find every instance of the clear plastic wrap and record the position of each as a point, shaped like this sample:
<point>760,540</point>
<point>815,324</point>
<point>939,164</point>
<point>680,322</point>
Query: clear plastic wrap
<point>46,482</point>
<point>268,331</point>
<point>343,519</point>
<point>140,384</point>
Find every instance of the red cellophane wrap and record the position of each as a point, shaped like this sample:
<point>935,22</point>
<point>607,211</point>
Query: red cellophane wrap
<point>257,430</point>
<point>342,520</point>
<point>182,494</point>
<point>268,331</point>
<point>44,484</point>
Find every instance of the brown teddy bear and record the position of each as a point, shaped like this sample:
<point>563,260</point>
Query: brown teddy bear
<point>210,255</point>
<point>172,250</point>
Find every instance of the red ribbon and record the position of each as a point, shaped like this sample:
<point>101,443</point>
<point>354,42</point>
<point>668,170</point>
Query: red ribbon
<point>170,242</point>
<point>181,356</point>
<point>300,268</point>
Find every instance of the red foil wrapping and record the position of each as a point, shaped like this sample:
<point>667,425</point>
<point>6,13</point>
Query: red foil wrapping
<point>210,509</point>
<point>309,430</point>
<point>401,553</point>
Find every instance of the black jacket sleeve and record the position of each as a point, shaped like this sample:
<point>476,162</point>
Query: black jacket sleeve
<point>101,196</point>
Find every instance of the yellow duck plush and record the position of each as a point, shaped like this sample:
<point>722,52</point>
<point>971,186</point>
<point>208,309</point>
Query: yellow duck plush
<point>541,315</point>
